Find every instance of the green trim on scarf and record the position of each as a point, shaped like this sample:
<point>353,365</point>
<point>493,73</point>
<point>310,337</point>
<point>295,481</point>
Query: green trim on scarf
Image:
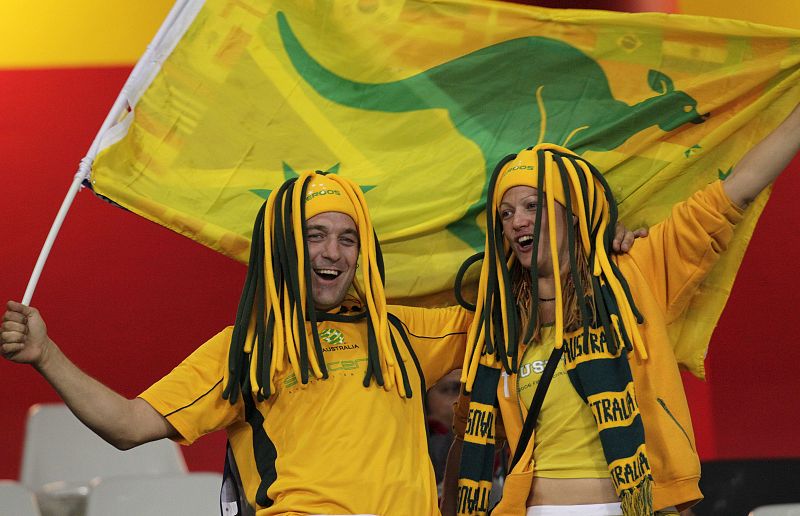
<point>477,455</point>
<point>595,355</point>
<point>602,377</point>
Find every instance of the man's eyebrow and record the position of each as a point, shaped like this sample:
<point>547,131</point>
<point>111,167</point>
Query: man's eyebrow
<point>326,229</point>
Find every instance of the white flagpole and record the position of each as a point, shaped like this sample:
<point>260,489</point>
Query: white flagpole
<point>128,96</point>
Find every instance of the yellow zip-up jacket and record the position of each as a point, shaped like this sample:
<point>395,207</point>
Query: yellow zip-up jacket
<point>664,271</point>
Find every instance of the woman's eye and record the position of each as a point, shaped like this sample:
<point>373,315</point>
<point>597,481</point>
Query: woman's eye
<point>505,214</point>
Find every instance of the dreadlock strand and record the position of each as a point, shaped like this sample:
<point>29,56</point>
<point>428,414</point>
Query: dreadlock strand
<point>618,320</point>
<point>297,217</point>
<point>273,271</point>
<point>496,329</point>
<point>260,341</point>
<point>476,359</point>
<point>603,314</point>
<point>474,344</point>
<point>235,357</point>
<point>616,335</point>
<point>236,354</point>
<point>492,282</point>
<point>393,367</point>
<point>471,368</point>
<point>551,226</point>
<point>495,321</point>
<point>286,318</point>
<point>577,284</point>
<point>533,317</point>
<point>315,353</point>
<point>398,372</point>
<point>622,308</point>
<point>377,296</point>
<point>580,186</point>
<point>373,361</point>
<point>403,384</point>
<point>459,281</point>
<point>498,336</point>
<point>592,192</point>
<point>287,252</point>
<point>480,344</point>
<point>513,314</point>
<point>296,295</point>
<point>391,360</point>
<point>613,216</point>
<point>380,358</point>
<point>269,273</point>
<point>507,308</point>
<point>406,384</point>
<point>380,353</point>
<point>267,377</point>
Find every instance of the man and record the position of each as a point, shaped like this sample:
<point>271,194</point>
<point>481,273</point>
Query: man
<point>329,420</point>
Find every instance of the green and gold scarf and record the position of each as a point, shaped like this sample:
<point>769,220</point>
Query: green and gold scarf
<point>596,358</point>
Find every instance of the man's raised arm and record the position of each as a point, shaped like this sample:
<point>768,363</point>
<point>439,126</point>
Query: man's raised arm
<point>122,422</point>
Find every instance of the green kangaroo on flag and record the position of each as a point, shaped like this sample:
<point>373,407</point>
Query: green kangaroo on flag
<point>508,96</point>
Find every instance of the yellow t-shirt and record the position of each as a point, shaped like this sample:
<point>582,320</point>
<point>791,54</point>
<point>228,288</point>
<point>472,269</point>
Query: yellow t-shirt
<point>331,446</point>
<point>566,443</point>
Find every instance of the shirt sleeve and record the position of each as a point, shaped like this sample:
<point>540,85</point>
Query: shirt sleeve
<point>190,396</point>
<point>438,337</point>
<point>679,252</point>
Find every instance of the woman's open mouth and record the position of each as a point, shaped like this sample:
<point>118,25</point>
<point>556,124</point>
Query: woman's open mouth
<point>525,243</point>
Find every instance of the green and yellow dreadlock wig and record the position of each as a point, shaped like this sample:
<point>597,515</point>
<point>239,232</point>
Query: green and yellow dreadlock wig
<point>276,321</point>
<point>596,363</point>
<point>576,184</point>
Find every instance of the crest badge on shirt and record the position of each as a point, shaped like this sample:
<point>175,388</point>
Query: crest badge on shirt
<point>332,337</point>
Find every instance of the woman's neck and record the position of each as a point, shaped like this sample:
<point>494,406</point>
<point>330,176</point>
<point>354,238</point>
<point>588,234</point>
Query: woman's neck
<point>547,299</point>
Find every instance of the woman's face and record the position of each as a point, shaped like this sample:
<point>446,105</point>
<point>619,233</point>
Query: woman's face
<point>518,214</point>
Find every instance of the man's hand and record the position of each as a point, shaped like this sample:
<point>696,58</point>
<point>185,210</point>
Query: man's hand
<point>623,239</point>
<point>23,338</point>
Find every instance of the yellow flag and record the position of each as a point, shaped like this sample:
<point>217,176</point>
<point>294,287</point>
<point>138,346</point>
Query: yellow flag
<point>418,100</point>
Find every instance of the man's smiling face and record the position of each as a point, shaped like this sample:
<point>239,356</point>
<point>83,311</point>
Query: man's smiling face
<point>332,240</point>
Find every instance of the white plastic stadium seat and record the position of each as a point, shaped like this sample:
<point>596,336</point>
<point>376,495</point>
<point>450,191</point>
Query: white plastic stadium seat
<point>192,494</point>
<point>61,456</point>
<point>16,500</point>
<point>58,447</point>
<point>787,509</point>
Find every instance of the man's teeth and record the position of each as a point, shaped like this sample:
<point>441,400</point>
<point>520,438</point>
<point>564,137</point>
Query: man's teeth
<point>525,239</point>
<point>328,272</point>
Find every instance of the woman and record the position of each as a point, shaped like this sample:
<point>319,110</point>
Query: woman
<point>613,434</point>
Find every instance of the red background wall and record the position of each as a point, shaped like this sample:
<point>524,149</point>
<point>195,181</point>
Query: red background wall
<point>127,299</point>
